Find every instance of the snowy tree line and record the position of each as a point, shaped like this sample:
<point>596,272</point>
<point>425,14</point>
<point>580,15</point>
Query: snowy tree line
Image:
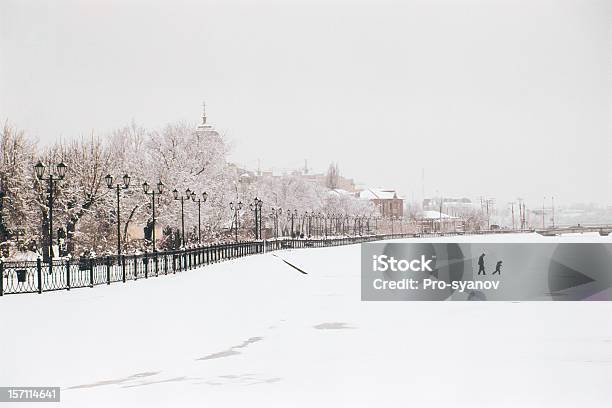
<point>182,158</point>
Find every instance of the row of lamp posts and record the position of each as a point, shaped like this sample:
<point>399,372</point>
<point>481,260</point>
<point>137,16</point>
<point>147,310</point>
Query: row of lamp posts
<point>190,195</point>
<point>310,223</point>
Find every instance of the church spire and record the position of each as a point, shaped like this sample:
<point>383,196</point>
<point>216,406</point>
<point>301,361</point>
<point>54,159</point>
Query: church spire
<point>205,128</point>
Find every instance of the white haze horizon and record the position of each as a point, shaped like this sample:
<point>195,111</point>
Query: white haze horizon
<point>500,98</point>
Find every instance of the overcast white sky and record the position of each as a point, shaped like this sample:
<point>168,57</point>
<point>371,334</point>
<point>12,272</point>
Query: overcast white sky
<point>501,98</point>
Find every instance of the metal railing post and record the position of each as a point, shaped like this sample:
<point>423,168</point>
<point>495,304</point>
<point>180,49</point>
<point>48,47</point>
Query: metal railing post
<point>155,263</point>
<point>91,273</point>
<point>39,273</point>
<point>135,267</point>
<point>145,261</point>
<point>123,268</point>
<point>108,268</point>
<point>67,266</point>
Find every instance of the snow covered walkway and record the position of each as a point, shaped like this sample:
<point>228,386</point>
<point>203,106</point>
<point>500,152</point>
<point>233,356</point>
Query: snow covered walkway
<point>256,332</point>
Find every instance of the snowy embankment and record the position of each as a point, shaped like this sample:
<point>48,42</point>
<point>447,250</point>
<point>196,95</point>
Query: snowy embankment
<point>256,332</point>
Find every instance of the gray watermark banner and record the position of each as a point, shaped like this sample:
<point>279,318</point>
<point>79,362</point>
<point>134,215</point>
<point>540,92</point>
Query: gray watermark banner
<point>29,394</point>
<point>486,271</point>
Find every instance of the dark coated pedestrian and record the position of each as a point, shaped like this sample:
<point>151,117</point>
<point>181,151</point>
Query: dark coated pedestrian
<point>481,265</point>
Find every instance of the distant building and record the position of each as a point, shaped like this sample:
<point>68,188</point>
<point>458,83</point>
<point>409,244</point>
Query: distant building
<point>205,128</point>
<point>434,221</point>
<point>342,183</point>
<point>388,203</point>
<point>454,206</point>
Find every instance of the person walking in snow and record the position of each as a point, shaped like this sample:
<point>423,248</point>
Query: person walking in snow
<point>481,267</point>
<point>498,268</point>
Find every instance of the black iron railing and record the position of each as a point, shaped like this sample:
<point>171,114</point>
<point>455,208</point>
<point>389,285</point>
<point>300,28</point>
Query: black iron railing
<point>66,274</point>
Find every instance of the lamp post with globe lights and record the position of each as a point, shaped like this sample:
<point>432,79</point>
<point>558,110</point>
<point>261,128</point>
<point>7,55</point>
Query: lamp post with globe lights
<point>337,223</point>
<point>301,225</point>
<point>53,177</point>
<point>292,216</point>
<point>236,209</point>
<point>392,218</point>
<point>308,227</point>
<point>153,192</point>
<point>260,205</point>
<point>118,187</point>
<point>312,225</point>
<point>200,201</point>
<point>255,206</point>
<point>325,218</point>
<point>274,214</point>
<point>182,199</point>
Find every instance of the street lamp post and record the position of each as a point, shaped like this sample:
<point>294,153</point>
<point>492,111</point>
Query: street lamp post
<point>182,199</point>
<point>325,218</point>
<point>236,208</point>
<point>345,225</point>
<point>321,217</point>
<point>303,224</point>
<point>152,193</point>
<point>274,214</point>
<point>255,206</point>
<point>52,178</point>
<point>260,205</point>
<point>313,224</point>
<point>118,187</point>
<point>543,212</point>
<point>553,211</point>
<point>309,218</point>
<point>200,201</point>
<point>291,216</point>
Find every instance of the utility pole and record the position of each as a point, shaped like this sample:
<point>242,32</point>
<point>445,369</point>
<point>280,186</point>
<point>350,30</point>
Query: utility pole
<point>543,203</point>
<point>440,226</point>
<point>521,214</point>
<point>423,185</point>
<point>553,211</point>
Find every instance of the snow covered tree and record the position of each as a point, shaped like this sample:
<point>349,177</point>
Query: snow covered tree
<point>17,219</point>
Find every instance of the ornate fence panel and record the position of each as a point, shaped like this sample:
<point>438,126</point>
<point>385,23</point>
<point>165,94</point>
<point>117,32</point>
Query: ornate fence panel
<point>37,276</point>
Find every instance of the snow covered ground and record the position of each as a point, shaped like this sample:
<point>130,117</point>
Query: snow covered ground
<point>256,332</point>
